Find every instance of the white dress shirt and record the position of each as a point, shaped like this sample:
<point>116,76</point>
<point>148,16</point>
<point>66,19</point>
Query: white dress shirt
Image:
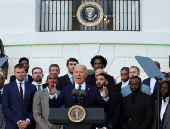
<point>163,107</point>
<point>152,84</point>
<point>34,83</point>
<point>125,83</point>
<point>22,85</point>
<point>72,80</point>
<point>83,86</point>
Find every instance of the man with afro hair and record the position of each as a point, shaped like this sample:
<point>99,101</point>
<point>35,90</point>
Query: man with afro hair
<point>98,62</point>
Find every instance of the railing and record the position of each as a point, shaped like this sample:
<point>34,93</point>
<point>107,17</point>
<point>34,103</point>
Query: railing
<point>60,15</point>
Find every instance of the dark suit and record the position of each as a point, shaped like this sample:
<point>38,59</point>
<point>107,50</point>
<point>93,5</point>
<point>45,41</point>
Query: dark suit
<point>165,122</point>
<point>91,80</point>
<point>154,94</point>
<point>139,115</point>
<point>113,114</point>
<point>119,85</point>
<point>12,105</point>
<point>63,82</point>
<point>13,78</point>
<point>92,99</point>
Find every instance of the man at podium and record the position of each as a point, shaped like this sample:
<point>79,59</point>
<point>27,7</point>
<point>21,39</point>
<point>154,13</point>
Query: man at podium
<point>92,99</point>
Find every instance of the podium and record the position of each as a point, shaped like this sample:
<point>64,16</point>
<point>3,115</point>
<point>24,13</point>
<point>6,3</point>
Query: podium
<point>59,116</point>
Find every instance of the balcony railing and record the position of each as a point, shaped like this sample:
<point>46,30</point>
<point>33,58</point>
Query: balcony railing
<point>60,15</point>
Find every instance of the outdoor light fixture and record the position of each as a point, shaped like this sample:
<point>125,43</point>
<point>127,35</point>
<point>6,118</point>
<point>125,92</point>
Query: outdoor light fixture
<point>3,61</point>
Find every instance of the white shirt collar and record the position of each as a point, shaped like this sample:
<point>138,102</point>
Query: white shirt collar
<point>167,100</point>
<point>69,75</point>
<point>125,83</point>
<point>83,86</point>
<point>34,83</point>
<point>19,82</point>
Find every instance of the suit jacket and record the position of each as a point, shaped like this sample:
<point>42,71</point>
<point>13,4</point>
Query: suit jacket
<point>125,91</point>
<point>113,112</point>
<point>147,82</point>
<point>91,80</point>
<point>119,85</point>
<point>166,124</point>
<point>92,99</point>
<point>41,110</point>
<point>2,116</point>
<point>139,115</point>
<point>63,82</point>
<point>13,78</point>
<point>12,105</point>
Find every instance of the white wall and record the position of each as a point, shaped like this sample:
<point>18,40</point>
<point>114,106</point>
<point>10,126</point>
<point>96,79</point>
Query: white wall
<point>117,56</point>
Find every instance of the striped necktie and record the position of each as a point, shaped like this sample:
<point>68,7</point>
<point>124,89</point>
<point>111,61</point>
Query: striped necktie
<point>39,87</point>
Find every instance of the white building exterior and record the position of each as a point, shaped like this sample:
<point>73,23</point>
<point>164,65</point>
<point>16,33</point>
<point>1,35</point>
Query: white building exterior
<point>19,31</point>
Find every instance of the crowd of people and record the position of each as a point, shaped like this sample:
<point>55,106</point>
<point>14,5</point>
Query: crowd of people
<point>25,101</point>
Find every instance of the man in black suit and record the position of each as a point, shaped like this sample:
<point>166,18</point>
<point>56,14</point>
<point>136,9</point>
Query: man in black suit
<point>152,83</point>
<point>98,62</point>
<point>25,62</point>
<point>37,75</point>
<point>67,79</point>
<point>124,72</point>
<point>114,102</point>
<point>137,111</point>
<point>164,107</point>
<point>110,86</point>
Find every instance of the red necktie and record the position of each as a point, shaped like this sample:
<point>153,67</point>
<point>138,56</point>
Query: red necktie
<point>21,93</point>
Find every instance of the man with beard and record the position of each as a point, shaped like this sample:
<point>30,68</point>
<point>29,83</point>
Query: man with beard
<point>17,101</point>
<point>2,116</point>
<point>114,102</point>
<point>98,62</point>
<point>164,107</point>
<point>41,105</point>
<point>110,86</point>
<point>67,79</point>
<point>25,62</point>
<point>37,75</point>
<point>137,111</point>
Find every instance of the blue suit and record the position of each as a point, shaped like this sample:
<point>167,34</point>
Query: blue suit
<point>92,99</point>
<point>125,91</point>
<point>113,112</point>
<point>13,108</point>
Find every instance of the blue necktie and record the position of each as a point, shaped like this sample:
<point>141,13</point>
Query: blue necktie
<point>79,88</point>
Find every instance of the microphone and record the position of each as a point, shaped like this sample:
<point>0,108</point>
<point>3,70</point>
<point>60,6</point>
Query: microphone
<point>74,95</point>
<point>82,95</point>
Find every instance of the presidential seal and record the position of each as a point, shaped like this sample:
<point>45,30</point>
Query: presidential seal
<point>90,13</point>
<point>76,113</point>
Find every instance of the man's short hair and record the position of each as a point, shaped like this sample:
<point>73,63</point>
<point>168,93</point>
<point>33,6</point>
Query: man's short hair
<point>37,68</point>
<point>166,74</point>
<point>104,75</point>
<point>136,68</point>
<point>125,68</point>
<point>54,65</point>
<point>18,66</point>
<point>22,59</point>
<point>71,59</point>
<point>136,77</point>
<point>104,61</point>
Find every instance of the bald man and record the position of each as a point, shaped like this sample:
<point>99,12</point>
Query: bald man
<point>110,86</point>
<point>93,98</point>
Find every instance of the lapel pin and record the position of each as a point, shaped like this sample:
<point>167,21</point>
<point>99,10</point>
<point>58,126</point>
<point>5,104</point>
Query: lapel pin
<point>88,89</point>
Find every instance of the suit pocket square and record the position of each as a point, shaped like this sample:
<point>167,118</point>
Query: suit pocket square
<point>30,92</point>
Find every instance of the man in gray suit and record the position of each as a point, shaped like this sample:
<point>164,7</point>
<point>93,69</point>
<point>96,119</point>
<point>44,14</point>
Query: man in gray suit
<point>164,107</point>
<point>2,117</point>
<point>41,105</point>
